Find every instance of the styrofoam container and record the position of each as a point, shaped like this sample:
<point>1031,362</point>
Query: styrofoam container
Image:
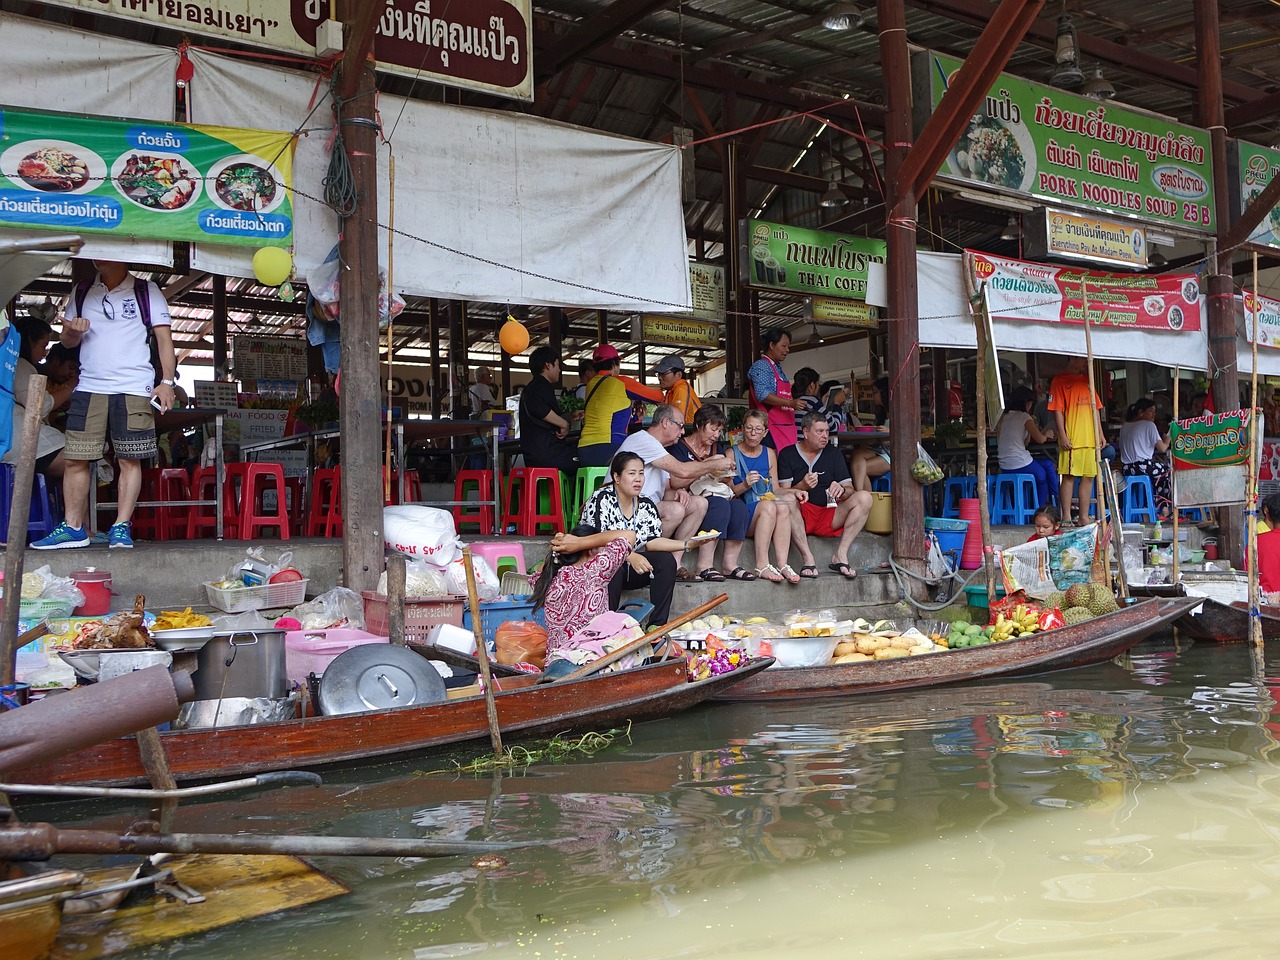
<point>453,637</point>
<point>311,651</point>
<point>803,651</point>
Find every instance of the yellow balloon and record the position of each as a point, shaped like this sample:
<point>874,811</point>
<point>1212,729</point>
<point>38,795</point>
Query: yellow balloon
<point>514,337</point>
<point>272,266</point>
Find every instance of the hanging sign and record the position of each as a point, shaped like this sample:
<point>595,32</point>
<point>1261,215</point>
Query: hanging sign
<point>1020,290</point>
<point>797,260</point>
<point>1253,167</point>
<point>139,178</point>
<point>476,45</point>
<point>1058,233</point>
<point>269,358</point>
<point>1265,313</point>
<point>706,283</point>
<point>1214,440</point>
<point>844,313</point>
<point>215,394</point>
<point>1038,141</point>
<point>654,328</point>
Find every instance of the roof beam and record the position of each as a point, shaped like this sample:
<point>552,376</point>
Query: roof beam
<point>602,29</point>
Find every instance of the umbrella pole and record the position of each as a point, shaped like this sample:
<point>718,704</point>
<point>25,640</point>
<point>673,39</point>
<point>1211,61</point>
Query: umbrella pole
<point>1255,429</point>
<point>482,653</point>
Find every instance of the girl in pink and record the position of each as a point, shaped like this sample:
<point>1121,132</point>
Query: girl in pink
<point>574,583</point>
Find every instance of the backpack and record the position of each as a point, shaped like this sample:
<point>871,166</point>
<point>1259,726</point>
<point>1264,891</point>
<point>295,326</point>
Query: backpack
<point>142,295</point>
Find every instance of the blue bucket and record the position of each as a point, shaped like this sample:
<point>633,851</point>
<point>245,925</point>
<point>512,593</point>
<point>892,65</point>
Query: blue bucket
<point>950,533</point>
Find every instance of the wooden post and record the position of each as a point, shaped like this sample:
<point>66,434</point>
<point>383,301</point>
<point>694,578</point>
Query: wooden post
<point>1251,489</point>
<point>391,328</point>
<point>19,512</point>
<point>396,573</point>
<point>984,502</point>
<point>154,761</point>
<point>439,385</point>
<point>362,547</point>
<point>219,329</point>
<point>1173,481</point>
<point>482,653</point>
<point>1099,463</point>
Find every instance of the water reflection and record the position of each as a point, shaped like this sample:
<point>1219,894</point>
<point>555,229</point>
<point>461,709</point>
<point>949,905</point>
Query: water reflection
<point>1012,817</point>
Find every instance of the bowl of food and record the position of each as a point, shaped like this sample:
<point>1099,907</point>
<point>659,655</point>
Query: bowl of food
<point>803,651</point>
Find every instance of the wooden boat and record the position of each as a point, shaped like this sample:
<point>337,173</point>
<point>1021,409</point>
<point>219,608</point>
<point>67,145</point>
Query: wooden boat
<point>1226,622</point>
<point>523,706</point>
<point>1086,643</point>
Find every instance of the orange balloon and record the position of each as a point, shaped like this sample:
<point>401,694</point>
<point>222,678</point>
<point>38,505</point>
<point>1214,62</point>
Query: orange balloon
<point>514,337</point>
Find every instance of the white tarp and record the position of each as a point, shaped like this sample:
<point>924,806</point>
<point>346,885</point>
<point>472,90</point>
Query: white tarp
<point>1268,355</point>
<point>488,205</point>
<point>945,322</point>
<point>50,67</point>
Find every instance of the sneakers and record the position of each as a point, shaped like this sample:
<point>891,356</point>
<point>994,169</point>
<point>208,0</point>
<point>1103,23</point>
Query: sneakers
<point>118,537</point>
<point>62,538</point>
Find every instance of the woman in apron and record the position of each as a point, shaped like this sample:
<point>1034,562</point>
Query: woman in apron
<point>770,389</point>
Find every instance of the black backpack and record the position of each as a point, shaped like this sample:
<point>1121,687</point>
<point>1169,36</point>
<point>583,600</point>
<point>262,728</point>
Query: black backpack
<point>142,295</point>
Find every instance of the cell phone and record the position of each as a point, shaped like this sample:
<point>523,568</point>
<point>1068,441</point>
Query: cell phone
<point>155,402</point>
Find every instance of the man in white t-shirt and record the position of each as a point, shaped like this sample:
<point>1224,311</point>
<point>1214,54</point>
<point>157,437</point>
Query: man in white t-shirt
<point>681,512</point>
<point>482,396</point>
<point>115,397</point>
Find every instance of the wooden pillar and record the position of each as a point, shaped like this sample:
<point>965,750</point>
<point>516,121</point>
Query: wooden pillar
<point>362,548</point>
<point>903,360</point>
<point>457,362</point>
<point>739,353</point>
<point>439,376</point>
<point>555,328</point>
<point>219,327</point>
<point>602,326</point>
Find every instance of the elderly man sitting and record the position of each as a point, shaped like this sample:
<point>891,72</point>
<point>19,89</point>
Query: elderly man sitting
<point>682,513</point>
<point>828,501</point>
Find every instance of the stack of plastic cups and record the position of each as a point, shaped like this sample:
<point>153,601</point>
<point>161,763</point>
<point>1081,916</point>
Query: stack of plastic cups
<point>971,556</point>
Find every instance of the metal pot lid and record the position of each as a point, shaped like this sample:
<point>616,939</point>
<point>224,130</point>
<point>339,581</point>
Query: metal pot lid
<point>377,676</point>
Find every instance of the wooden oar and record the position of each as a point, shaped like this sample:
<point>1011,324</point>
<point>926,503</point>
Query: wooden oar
<point>482,653</point>
<point>634,645</point>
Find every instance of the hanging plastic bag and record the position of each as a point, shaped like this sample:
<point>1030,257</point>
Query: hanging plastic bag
<point>925,470</point>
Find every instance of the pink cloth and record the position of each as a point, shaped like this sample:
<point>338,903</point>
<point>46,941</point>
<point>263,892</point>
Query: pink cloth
<point>580,592</point>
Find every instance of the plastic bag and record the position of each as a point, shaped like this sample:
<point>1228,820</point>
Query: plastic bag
<point>521,641</point>
<point>339,607</point>
<point>925,470</point>
<point>43,584</point>
<point>421,579</point>
<point>247,622</point>
<point>425,533</point>
<point>325,286</point>
<point>256,569</point>
<point>487,587</point>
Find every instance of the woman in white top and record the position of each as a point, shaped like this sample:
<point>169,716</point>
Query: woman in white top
<point>1014,428</point>
<point>1140,440</point>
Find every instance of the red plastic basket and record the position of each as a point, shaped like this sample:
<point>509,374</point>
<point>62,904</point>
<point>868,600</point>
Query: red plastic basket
<point>420,614</point>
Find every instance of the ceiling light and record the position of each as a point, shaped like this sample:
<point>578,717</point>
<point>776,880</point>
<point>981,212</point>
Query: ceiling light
<point>834,197</point>
<point>996,200</point>
<point>1156,260</point>
<point>842,16</point>
<point>1067,76</point>
<point>1066,49</point>
<point>1097,86</point>
<point>1011,229</point>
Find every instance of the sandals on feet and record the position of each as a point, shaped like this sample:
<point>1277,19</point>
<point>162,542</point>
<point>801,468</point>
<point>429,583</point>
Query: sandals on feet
<point>741,573</point>
<point>684,575</point>
<point>789,574</point>
<point>809,572</point>
<point>770,572</point>
<point>710,575</point>
<point>844,570</point>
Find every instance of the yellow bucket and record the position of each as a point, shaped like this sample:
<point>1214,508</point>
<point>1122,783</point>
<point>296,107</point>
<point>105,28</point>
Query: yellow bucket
<point>880,520</point>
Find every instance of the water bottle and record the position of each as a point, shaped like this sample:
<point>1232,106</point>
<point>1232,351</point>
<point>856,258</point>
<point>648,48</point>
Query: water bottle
<point>1157,532</point>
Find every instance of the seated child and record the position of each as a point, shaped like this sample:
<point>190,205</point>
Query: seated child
<point>1047,522</point>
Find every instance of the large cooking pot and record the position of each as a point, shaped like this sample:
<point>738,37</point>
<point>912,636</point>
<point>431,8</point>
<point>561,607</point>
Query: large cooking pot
<point>243,663</point>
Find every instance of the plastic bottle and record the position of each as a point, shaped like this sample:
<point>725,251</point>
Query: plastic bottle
<point>1157,532</point>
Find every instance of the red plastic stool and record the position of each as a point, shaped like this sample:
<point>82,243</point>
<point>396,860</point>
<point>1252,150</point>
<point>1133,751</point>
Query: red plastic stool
<point>481,514</point>
<point>246,483</point>
<point>143,521</point>
<point>412,487</point>
<point>172,486</point>
<point>522,509</point>
<point>296,488</point>
<point>324,519</point>
<point>204,486</point>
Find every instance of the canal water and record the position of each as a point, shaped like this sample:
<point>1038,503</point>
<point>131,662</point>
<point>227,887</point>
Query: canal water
<point>1126,810</point>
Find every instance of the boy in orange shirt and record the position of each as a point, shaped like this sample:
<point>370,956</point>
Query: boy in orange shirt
<point>1078,440</point>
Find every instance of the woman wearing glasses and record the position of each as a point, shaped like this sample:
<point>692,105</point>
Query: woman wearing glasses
<point>775,514</point>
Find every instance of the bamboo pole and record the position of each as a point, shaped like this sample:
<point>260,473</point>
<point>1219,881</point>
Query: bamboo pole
<point>391,326</point>
<point>1173,485</point>
<point>14,556</point>
<point>482,653</point>
<point>984,505</point>
<point>1099,499</point>
<point>1251,498</point>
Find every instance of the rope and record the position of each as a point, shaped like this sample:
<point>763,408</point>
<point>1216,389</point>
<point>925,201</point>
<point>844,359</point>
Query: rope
<point>899,572</point>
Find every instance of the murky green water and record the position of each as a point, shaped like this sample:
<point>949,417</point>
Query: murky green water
<point>1117,811</point>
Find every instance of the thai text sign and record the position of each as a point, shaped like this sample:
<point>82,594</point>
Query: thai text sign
<point>1214,440</point>
<point>845,313</point>
<point>706,284</point>
<point>269,358</point>
<point>679,330</point>
<point>1264,313</point>
<point>1020,290</point>
<point>1091,238</point>
<point>479,45</point>
<point>1255,166</point>
<point>1038,141</point>
<point>173,181</point>
<point>793,259</point>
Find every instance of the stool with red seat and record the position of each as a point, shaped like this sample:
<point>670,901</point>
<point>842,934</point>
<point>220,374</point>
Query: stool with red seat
<point>143,521</point>
<point>204,486</point>
<point>412,486</point>
<point>481,512</point>
<point>324,518</point>
<point>245,485</point>
<point>296,488</point>
<point>172,486</point>
<point>534,499</point>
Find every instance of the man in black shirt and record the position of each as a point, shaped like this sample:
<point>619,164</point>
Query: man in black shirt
<point>544,427</point>
<point>820,478</point>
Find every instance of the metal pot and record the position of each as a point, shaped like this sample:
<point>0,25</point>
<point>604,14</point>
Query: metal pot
<point>242,664</point>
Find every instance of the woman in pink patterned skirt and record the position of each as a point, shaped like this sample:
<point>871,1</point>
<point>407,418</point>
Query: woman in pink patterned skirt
<point>574,583</point>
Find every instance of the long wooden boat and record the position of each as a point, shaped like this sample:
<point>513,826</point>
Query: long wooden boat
<point>523,706</point>
<point>1080,645</point>
<point>1226,622</point>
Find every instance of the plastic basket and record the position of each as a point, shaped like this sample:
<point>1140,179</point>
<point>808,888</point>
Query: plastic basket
<point>977,595</point>
<point>42,608</point>
<point>498,612</point>
<point>266,596</point>
<point>420,614</point>
<point>946,524</point>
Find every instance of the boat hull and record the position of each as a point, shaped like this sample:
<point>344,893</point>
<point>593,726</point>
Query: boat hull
<point>1081,645</point>
<point>1227,622</point>
<point>642,693</point>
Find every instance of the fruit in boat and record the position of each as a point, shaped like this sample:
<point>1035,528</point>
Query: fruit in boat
<point>1056,599</point>
<point>1101,600</point>
<point>1074,615</point>
<point>1077,595</point>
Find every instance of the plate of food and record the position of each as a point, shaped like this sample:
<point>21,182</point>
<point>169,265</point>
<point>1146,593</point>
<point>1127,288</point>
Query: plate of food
<point>156,181</point>
<point>997,153</point>
<point>53,166</point>
<point>247,183</point>
<point>702,536</point>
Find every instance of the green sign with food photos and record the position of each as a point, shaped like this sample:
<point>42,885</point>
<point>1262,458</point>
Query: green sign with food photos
<point>1041,142</point>
<point>1255,166</point>
<point>141,178</point>
<point>798,260</point>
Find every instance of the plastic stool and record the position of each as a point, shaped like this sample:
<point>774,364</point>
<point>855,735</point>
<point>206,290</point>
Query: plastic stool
<point>143,521</point>
<point>883,484</point>
<point>324,518</point>
<point>204,486</point>
<point>964,488</point>
<point>40,518</point>
<point>587,481</point>
<point>172,485</point>
<point>498,551</point>
<point>637,608</point>
<point>1138,500</point>
<point>296,487</point>
<point>1014,499</point>
<point>245,485</point>
<point>526,495</point>
<point>1194,514</point>
<point>482,513</point>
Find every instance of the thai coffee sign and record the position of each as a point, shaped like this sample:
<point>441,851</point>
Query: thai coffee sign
<point>1021,290</point>
<point>1038,141</point>
<point>1254,168</point>
<point>478,45</point>
<point>1214,440</point>
<point>797,260</point>
<point>139,178</point>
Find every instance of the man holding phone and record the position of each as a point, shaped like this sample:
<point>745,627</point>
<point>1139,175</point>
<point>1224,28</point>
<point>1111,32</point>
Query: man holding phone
<point>119,388</point>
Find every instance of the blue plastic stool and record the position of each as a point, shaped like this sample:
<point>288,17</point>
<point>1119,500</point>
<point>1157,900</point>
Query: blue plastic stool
<point>1014,499</point>
<point>637,608</point>
<point>1138,500</point>
<point>1196,514</point>
<point>41,518</point>
<point>964,488</point>
<point>883,484</point>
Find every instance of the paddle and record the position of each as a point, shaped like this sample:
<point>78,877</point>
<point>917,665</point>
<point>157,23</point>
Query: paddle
<point>482,653</point>
<point>634,645</point>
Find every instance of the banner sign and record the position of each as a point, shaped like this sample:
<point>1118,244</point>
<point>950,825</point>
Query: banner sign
<point>139,178</point>
<point>1020,290</point>
<point>1074,236</point>
<point>269,358</point>
<point>660,328</point>
<point>477,45</point>
<point>796,260</point>
<point>706,283</point>
<point>1214,440</point>
<point>844,313</point>
<point>1038,141</point>
<point>1266,312</point>
<point>1254,166</point>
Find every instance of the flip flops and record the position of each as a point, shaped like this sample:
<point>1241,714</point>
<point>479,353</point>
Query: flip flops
<point>685,575</point>
<point>741,573</point>
<point>710,575</point>
<point>808,572</point>
<point>844,570</point>
<point>771,573</point>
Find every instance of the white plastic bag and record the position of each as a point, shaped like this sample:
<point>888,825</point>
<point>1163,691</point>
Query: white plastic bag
<point>487,587</point>
<point>339,607</point>
<point>424,533</point>
<point>421,579</point>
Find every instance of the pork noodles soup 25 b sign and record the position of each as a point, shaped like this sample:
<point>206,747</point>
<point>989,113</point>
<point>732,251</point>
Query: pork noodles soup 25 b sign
<point>144,179</point>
